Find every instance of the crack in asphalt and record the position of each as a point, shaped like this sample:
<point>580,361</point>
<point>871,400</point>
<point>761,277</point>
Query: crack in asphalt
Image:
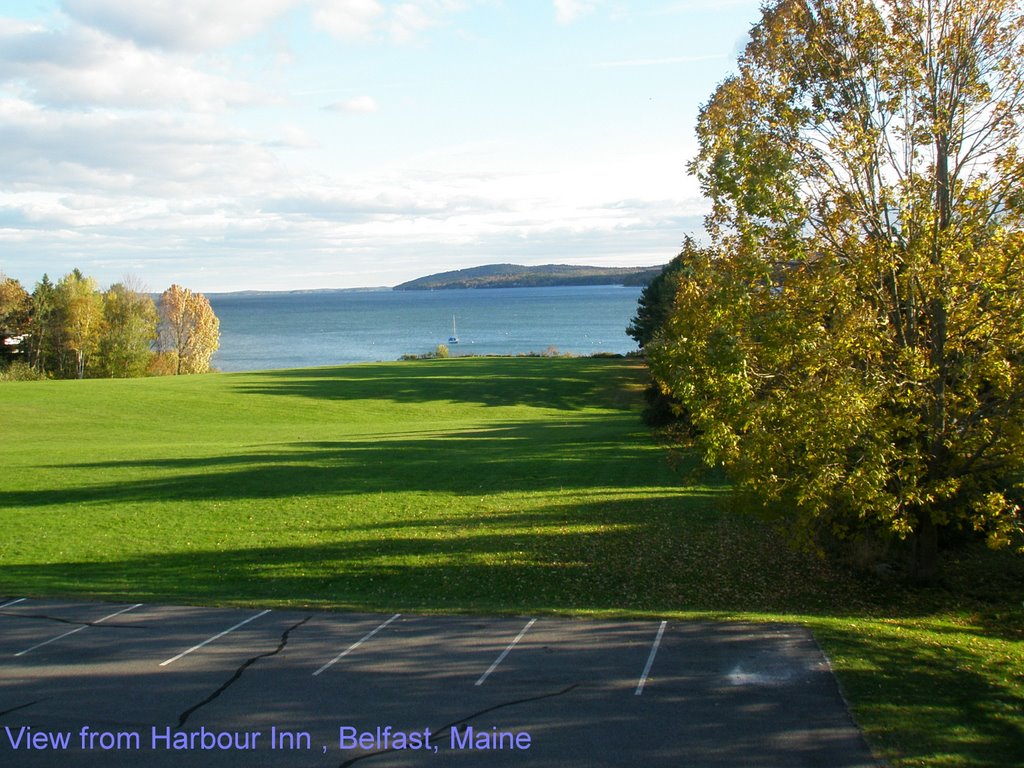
<point>21,706</point>
<point>449,726</point>
<point>184,716</point>
<point>70,621</point>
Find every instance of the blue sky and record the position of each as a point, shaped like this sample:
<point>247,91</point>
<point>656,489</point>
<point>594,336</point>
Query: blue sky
<point>288,144</point>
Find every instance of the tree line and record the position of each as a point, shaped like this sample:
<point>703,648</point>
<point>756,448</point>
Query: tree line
<point>71,329</point>
<point>849,341</point>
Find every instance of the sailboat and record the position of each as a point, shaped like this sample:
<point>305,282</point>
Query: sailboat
<point>454,338</point>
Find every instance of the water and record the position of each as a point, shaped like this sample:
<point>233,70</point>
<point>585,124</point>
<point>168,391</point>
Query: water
<point>286,330</point>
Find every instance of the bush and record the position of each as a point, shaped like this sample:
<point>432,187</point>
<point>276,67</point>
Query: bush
<point>163,364</point>
<point>20,372</point>
<point>440,353</point>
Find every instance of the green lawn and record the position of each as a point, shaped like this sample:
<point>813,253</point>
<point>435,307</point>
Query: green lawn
<point>484,485</point>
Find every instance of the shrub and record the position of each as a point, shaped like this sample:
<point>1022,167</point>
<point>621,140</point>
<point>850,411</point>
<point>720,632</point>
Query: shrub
<point>19,371</point>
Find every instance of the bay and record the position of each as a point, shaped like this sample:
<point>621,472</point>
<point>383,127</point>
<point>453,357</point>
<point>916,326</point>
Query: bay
<point>267,331</point>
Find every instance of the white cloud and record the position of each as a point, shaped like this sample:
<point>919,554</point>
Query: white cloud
<point>179,24</point>
<point>334,203</point>
<point>293,137</point>
<point>357,105</point>
<point>568,11</point>
<point>207,25</point>
<point>348,19</point>
<point>106,152</point>
<point>409,19</point>
<point>230,205</point>
<point>402,22</point>
<point>81,67</point>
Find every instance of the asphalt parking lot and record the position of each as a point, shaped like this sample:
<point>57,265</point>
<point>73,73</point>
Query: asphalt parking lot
<point>100,684</point>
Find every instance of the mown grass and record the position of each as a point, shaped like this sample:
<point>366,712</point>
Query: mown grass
<point>475,485</point>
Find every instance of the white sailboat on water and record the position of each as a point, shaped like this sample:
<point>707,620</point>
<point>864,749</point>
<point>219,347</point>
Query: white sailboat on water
<point>454,338</point>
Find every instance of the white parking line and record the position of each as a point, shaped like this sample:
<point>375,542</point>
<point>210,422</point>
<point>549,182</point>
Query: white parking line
<point>354,645</point>
<point>78,629</point>
<point>215,637</point>
<point>505,653</point>
<point>650,659</point>
<point>13,602</point>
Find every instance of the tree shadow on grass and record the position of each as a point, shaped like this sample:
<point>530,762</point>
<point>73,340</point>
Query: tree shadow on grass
<point>514,457</point>
<point>930,701</point>
<point>612,553</point>
<point>566,384</point>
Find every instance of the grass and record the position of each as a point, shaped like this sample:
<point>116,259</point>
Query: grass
<point>521,485</point>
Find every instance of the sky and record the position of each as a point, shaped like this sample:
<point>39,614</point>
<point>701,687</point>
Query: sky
<point>296,144</point>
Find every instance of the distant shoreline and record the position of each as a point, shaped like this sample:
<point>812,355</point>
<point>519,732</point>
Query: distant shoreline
<point>542,276</point>
<point>492,276</point>
<point>390,288</point>
<point>300,291</point>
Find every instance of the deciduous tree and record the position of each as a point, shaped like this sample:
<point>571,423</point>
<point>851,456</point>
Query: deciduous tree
<point>14,313</point>
<point>130,332</point>
<point>80,308</point>
<point>189,329</point>
<point>856,351</point>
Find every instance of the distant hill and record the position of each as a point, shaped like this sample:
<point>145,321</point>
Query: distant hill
<point>519,276</point>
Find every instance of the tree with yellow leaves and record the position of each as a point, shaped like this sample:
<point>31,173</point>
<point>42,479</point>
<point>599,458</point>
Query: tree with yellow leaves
<point>189,329</point>
<point>852,346</point>
<point>15,304</point>
<point>81,324</point>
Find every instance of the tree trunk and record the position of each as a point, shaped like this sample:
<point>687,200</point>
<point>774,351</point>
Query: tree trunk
<point>925,565</point>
